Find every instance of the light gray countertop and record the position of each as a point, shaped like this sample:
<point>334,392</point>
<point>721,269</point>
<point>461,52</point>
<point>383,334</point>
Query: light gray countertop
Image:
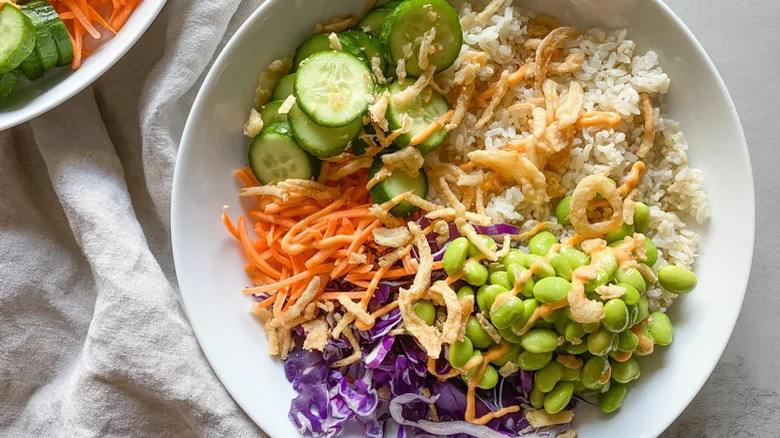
<point>742,397</point>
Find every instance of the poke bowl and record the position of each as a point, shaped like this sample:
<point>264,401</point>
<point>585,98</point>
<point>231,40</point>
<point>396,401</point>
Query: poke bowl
<point>487,218</point>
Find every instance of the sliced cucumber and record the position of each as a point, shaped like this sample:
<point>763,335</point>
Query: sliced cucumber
<point>45,46</point>
<point>371,45</point>
<point>422,113</point>
<point>407,24</point>
<point>57,28</point>
<point>322,142</point>
<point>321,42</point>
<point>32,66</point>
<point>333,88</point>
<point>374,20</point>
<point>270,113</point>
<point>274,156</point>
<point>17,37</point>
<point>284,87</point>
<point>398,182</point>
<point>7,82</point>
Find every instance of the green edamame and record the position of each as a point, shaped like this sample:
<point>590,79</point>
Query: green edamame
<point>620,233</point>
<point>544,270</point>
<point>612,400</point>
<point>546,378</point>
<point>676,279</point>
<point>478,336</point>
<point>501,278</point>
<point>562,211</point>
<point>651,253</point>
<point>632,277</point>
<point>476,274</point>
<point>533,361</point>
<point>468,375</point>
<point>465,291</point>
<point>641,217</point>
<point>551,289</point>
<point>515,272</point>
<point>559,397</point>
<point>600,342</point>
<point>509,309</point>
<point>489,379</point>
<point>487,295</point>
<point>643,309</point>
<point>575,257</point>
<point>591,327</point>
<point>489,242</point>
<point>536,397</point>
<point>426,311</point>
<point>594,372</point>
<point>661,328</point>
<point>562,266</point>
<point>539,341</point>
<point>514,256</point>
<point>631,296</point>
<point>460,352</point>
<point>561,321</point>
<point>627,341</point>
<point>615,315</point>
<point>541,243</point>
<point>455,255</point>
<point>577,349</point>
<point>494,267</point>
<point>509,335</point>
<point>573,331</point>
<point>570,374</point>
<point>509,356</point>
<point>624,372</point>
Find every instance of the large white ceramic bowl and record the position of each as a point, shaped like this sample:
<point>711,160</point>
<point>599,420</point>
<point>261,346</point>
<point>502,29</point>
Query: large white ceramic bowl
<point>33,98</point>
<point>209,264</point>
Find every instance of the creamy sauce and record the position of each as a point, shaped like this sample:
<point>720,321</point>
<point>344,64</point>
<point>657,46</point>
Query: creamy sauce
<point>471,403</point>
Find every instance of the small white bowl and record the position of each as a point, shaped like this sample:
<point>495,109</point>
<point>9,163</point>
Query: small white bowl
<point>209,263</point>
<point>33,98</point>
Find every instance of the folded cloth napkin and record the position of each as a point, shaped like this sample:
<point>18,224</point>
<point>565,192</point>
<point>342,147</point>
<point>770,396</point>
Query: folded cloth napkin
<point>93,339</point>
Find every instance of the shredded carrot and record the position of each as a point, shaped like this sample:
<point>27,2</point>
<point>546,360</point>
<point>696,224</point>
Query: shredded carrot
<point>86,16</point>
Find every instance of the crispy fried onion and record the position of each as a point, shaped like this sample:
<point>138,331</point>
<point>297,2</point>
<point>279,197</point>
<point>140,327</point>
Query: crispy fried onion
<point>378,109</point>
<point>279,338</point>
<point>337,24</point>
<point>297,308</point>
<point>442,230</point>
<point>503,86</point>
<point>609,291</point>
<point>540,418</point>
<point>426,48</point>
<point>350,168</point>
<point>648,136</point>
<point>516,167</point>
<point>554,41</point>
<point>392,237</point>
<point>356,309</point>
<point>356,353</point>
<point>582,309</point>
<point>268,79</point>
<point>468,231</point>
<point>415,89</point>
<point>586,190</point>
<point>428,336</point>
<point>570,109</point>
<point>489,329</point>
<point>316,334</point>
<point>409,160</point>
<point>450,214</point>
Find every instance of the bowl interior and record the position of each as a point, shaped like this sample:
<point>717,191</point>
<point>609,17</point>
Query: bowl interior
<point>209,263</point>
<point>32,98</point>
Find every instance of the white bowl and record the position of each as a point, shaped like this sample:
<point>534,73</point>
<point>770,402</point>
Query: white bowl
<point>209,263</point>
<point>33,98</point>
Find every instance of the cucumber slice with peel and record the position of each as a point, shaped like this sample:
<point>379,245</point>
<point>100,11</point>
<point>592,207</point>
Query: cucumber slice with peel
<point>274,156</point>
<point>32,67</point>
<point>422,114</point>
<point>333,88</point>
<point>321,141</point>
<point>270,113</point>
<point>284,87</point>
<point>374,20</point>
<point>7,82</point>
<point>406,25</point>
<point>371,46</point>
<point>17,37</point>
<point>45,46</point>
<point>398,182</point>
<point>321,42</point>
<point>57,28</point>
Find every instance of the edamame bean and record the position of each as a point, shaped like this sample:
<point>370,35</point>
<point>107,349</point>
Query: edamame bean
<point>612,400</point>
<point>643,309</point>
<point>651,253</point>
<point>627,341</point>
<point>600,279</point>
<point>509,356</point>
<point>633,312</point>
<point>536,397</point>
<point>580,348</point>
<point>594,372</point>
<point>541,243</point>
<point>544,270</point>
<point>604,274</point>
<point>631,276</point>
<point>467,376</point>
<point>559,397</point>
<point>641,217</point>
<point>562,266</point>
<point>476,274</point>
<point>624,372</point>
<point>620,233</point>
<point>615,315</point>
<point>676,279</point>
<point>507,312</point>
<point>606,387</point>
<point>455,255</point>
<point>426,311</point>
<point>546,378</point>
<point>487,295</point>
<point>509,335</point>
<point>539,341</point>
<point>478,336</point>
<point>570,374</point>
<point>661,328</point>
<point>460,352</point>
<point>465,291</point>
<point>489,242</point>
<point>489,379</point>
<point>600,342</point>
<point>551,289</point>
<point>514,272</point>
<point>494,267</point>
<point>533,361</point>
<point>591,327</point>
<point>575,257</point>
<point>573,331</point>
<point>514,256</point>
<point>500,278</point>
<point>631,296</point>
<point>561,321</point>
<point>562,211</point>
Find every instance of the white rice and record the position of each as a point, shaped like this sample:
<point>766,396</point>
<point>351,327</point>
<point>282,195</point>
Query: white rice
<point>613,76</point>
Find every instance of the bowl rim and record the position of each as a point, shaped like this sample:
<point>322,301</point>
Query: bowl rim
<point>222,59</point>
<point>76,82</point>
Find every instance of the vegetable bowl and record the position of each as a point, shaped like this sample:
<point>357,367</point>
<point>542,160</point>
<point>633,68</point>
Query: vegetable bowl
<point>515,218</point>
